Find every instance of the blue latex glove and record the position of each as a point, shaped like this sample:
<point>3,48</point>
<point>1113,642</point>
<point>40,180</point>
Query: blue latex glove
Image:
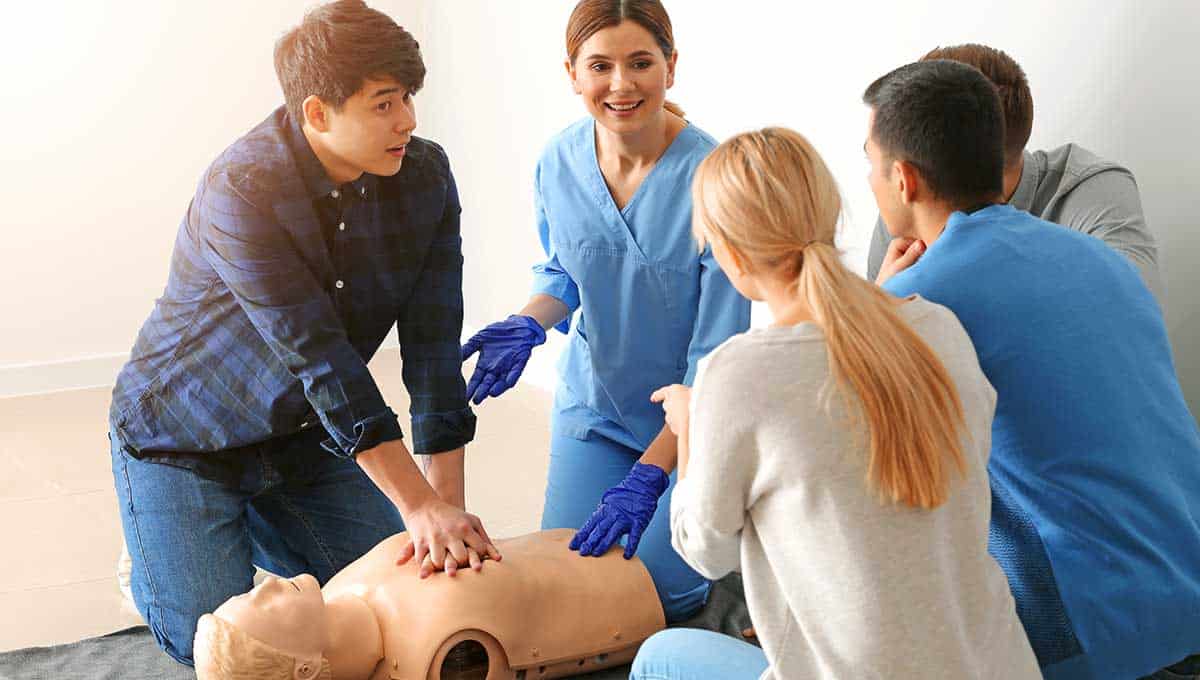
<point>504,348</point>
<point>625,508</point>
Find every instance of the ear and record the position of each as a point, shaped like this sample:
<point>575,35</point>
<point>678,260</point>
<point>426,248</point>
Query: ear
<point>671,68</point>
<point>907,180</point>
<point>315,113</point>
<point>571,74</point>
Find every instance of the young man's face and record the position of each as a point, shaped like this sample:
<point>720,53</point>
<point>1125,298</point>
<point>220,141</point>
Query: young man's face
<point>885,186</point>
<point>372,129</point>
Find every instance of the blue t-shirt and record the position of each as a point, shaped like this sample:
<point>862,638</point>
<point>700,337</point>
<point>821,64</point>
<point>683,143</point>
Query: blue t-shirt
<point>1095,465</point>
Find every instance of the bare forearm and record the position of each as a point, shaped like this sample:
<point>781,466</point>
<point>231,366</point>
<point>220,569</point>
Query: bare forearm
<point>547,310</point>
<point>445,473</point>
<point>662,451</point>
<point>392,469</point>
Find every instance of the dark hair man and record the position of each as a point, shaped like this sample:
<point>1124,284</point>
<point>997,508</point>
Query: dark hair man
<point>1069,185</point>
<point>1095,458</point>
<point>245,429</point>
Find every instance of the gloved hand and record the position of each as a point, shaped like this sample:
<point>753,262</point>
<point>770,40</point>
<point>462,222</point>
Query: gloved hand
<point>504,348</point>
<point>625,508</point>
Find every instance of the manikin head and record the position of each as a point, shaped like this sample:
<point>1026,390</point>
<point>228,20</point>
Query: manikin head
<point>277,631</point>
<point>935,141</point>
<point>349,74</point>
<point>621,62</point>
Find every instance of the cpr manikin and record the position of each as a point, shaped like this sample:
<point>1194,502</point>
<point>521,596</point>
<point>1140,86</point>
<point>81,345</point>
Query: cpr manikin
<point>541,612</point>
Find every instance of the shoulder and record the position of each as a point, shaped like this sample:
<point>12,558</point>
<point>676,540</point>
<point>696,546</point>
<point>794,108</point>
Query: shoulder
<point>701,141</point>
<point>564,143</point>
<point>1076,164</point>
<point>258,168</point>
<point>738,369</point>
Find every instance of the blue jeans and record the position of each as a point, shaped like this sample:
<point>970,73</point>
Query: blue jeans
<point>694,654</point>
<point>194,535</point>
<point>580,472</point>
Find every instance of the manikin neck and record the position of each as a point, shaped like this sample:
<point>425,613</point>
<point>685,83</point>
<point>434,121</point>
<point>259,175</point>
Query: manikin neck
<point>355,640</point>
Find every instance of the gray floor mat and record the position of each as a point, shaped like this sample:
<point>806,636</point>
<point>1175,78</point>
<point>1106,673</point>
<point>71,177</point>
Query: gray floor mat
<point>132,654</point>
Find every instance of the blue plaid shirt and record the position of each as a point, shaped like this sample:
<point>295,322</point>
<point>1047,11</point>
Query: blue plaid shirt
<point>281,288</point>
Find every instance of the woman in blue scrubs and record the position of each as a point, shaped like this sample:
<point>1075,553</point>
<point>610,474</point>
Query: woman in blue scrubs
<point>614,216</point>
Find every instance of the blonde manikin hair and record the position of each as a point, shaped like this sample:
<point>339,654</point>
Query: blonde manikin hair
<point>225,652</point>
<point>768,196</point>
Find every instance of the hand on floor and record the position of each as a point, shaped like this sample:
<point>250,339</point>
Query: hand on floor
<point>624,509</point>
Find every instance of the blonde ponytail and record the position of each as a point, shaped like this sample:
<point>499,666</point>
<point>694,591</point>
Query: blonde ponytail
<point>769,196</point>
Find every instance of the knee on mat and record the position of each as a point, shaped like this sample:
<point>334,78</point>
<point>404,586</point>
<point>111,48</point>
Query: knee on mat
<point>176,643</point>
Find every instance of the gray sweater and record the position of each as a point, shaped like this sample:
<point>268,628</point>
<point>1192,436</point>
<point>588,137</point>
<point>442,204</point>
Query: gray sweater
<point>841,585</point>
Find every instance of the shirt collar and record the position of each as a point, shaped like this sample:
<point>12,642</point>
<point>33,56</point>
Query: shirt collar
<point>316,181</point>
<point>1031,175</point>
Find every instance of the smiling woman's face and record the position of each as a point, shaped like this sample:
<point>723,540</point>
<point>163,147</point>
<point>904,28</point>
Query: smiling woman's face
<point>287,614</point>
<point>622,76</point>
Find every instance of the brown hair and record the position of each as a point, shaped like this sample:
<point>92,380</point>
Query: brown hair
<point>1008,77</point>
<point>769,197</point>
<point>337,47</point>
<point>592,16</point>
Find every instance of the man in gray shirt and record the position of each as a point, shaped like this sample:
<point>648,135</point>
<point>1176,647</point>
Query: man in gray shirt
<point>1069,185</point>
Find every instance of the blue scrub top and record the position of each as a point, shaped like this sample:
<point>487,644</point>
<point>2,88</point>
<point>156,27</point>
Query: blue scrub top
<point>1095,464</point>
<point>651,304</point>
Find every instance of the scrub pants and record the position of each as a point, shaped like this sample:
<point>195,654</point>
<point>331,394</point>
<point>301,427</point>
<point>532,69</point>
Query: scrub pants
<point>195,531</point>
<point>694,654</point>
<point>580,472</point>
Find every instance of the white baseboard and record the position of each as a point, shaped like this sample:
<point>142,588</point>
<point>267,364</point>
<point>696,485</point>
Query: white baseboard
<point>56,376</point>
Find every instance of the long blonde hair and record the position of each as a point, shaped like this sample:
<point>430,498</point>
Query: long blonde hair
<point>769,197</point>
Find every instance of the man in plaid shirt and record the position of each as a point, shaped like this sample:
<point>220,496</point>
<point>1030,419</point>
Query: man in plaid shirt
<point>245,429</point>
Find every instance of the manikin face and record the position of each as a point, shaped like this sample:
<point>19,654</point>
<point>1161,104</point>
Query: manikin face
<point>372,129</point>
<point>623,77</point>
<point>287,614</point>
<point>885,184</point>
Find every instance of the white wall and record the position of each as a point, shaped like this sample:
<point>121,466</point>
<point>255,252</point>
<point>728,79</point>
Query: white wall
<point>1115,76</point>
<point>111,111</point>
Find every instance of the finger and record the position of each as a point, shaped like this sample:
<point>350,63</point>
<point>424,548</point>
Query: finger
<point>514,373</point>
<point>485,385</point>
<point>476,563</point>
<point>457,551</point>
<point>472,346</point>
<point>611,537</point>
<point>437,552</point>
<point>595,545</point>
<point>585,531</point>
<point>899,245</point>
<point>498,388</point>
<point>406,553</point>
<point>451,565</point>
<point>911,254</point>
<point>658,395</point>
<point>749,632</point>
<point>476,378</point>
<point>424,559</point>
<point>477,524</point>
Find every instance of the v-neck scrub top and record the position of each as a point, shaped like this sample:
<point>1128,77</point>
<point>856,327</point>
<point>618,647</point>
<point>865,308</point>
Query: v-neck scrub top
<point>650,303</point>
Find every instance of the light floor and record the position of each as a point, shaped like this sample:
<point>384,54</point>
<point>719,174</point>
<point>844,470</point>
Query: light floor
<point>60,531</point>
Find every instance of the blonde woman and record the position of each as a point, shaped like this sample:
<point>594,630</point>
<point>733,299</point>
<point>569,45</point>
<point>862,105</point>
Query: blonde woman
<point>837,459</point>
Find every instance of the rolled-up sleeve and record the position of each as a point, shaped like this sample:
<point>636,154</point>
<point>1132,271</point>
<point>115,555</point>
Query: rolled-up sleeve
<point>709,505</point>
<point>254,257</point>
<point>549,277</point>
<point>722,313</point>
<point>430,329</point>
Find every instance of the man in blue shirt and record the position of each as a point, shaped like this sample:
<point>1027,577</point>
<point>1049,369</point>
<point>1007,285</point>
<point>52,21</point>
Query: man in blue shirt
<point>246,429</point>
<point>1095,458</point>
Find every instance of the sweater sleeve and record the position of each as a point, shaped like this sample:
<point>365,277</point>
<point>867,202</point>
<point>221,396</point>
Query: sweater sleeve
<point>709,506</point>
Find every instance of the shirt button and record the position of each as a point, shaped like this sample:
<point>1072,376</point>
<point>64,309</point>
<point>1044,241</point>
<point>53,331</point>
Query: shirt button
<point>335,193</point>
<point>342,226</point>
<point>339,284</point>
<point>363,191</point>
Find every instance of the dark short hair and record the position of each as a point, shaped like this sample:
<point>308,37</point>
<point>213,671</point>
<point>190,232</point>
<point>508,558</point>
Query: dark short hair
<point>944,118</point>
<point>1009,78</point>
<point>337,47</point>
